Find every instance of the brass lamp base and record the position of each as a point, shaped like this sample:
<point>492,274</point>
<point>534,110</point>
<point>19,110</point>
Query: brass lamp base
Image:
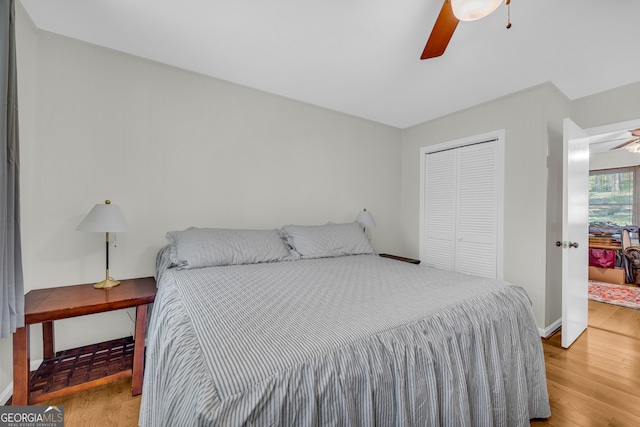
<point>106,284</point>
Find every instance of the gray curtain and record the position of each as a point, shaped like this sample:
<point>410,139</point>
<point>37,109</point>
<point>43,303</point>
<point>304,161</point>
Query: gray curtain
<point>11,283</point>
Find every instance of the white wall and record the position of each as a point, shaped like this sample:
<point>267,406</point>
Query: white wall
<point>174,149</point>
<point>613,106</point>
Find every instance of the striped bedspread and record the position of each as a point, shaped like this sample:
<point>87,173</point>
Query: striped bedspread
<point>357,340</point>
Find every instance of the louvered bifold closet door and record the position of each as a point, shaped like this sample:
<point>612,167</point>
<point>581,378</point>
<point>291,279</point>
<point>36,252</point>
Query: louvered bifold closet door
<point>460,216</point>
<point>440,208</point>
<point>476,228</point>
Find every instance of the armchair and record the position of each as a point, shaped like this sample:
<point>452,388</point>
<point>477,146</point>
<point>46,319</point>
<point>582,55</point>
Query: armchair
<point>631,261</point>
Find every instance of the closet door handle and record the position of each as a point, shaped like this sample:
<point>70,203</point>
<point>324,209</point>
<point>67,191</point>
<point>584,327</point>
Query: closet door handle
<point>573,245</point>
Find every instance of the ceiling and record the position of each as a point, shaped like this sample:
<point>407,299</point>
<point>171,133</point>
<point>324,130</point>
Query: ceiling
<point>361,57</point>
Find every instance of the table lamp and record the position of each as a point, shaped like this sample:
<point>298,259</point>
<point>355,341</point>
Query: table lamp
<point>365,219</point>
<point>106,219</point>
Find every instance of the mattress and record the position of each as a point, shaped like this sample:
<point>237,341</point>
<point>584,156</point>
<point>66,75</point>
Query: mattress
<point>353,340</point>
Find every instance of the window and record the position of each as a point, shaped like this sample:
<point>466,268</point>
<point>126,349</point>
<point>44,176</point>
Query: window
<point>612,196</point>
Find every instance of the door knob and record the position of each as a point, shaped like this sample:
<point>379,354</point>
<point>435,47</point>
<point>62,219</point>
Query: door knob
<point>571,244</point>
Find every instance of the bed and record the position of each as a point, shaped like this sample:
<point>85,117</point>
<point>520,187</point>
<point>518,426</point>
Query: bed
<point>307,326</point>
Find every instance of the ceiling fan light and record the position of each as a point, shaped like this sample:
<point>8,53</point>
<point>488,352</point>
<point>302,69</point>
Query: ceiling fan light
<point>633,148</point>
<point>470,10</point>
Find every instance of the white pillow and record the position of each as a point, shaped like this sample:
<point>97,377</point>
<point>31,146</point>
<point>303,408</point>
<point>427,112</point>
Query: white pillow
<point>210,247</point>
<point>331,240</point>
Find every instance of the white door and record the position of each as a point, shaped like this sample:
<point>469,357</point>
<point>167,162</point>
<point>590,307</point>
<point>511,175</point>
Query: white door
<point>575,230</point>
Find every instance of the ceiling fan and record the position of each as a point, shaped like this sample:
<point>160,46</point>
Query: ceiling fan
<point>635,139</point>
<point>452,12</point>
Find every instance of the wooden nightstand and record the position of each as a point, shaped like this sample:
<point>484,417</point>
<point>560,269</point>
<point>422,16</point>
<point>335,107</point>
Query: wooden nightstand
<point>401,258</point>
<point>70,371</point>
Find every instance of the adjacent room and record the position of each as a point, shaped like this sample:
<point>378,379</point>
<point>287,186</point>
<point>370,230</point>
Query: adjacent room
<point>613,206</point>
<point>321,213</point>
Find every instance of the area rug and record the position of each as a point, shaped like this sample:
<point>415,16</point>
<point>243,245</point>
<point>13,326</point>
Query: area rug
<point>622,295</point>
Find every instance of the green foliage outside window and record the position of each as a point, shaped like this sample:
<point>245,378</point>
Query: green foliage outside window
<point>611,197</point>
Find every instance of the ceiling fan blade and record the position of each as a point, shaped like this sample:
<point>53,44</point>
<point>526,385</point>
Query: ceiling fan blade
<point>606,141</point>
<point>442,31</point>
<point>627,142</point>
<point>635,132</point>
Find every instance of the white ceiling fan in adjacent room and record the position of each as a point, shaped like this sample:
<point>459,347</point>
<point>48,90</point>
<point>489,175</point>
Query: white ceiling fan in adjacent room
<point>633,143</point>
<point>629,140</point>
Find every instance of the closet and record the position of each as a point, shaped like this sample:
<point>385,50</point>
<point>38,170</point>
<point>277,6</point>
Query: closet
<point>462,208</point>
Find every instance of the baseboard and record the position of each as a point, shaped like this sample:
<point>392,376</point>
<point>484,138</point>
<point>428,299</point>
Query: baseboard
<point>8,391</point>
<point>6,394</point>
<point>549,330</point>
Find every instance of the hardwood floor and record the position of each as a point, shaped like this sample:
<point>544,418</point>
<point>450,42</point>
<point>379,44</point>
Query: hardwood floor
<point>110,405</point>
<point>619,320</point>
<point>596,382</point>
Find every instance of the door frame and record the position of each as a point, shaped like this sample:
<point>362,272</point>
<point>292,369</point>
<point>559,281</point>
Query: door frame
<point>499,137</point>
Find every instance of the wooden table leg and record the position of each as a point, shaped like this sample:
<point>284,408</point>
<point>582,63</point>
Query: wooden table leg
<point>138,350</point>
<point>21,366</point>
<point>48,343</point>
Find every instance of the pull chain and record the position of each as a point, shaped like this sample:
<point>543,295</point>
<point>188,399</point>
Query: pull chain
<point>508,2</point>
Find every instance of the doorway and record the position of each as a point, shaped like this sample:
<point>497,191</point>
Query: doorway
<point>606,158</point>
<point>598,139</point>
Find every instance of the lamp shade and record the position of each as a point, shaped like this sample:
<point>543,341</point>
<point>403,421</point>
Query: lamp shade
<point>470,10</point>
<point>365,219</point>
<point>104,218</point>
